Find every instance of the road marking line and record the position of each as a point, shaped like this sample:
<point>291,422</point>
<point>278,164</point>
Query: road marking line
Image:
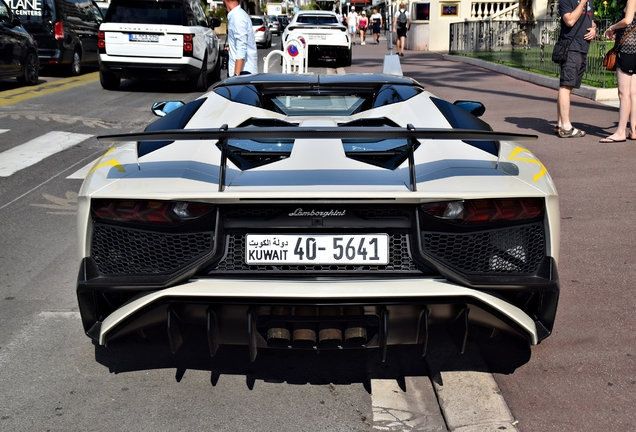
<point>81,173</point>
<point>397,410</point>
<point>11,97</point>
<point>36,150</point>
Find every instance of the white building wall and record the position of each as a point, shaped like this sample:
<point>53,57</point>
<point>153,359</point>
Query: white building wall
<point>434,34</point>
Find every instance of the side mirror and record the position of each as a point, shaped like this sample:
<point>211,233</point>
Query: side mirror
<point>475,108</point>
<point>163,108</point>
<point>215,22</point>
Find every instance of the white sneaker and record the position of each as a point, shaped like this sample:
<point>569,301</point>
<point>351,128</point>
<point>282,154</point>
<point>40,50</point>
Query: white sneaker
<point>362,43</point>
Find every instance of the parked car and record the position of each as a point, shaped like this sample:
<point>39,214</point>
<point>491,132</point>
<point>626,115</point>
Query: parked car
<point>160,40</point>
<point>322,212</point>
<point>18,53</point>
<point>262,34</point>
<point>326,36</point>
<point>65,31</point>
<point>283,21</point>
<point>274,25</point>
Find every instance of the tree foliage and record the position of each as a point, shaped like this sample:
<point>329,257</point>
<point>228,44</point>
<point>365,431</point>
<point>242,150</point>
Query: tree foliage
<point>608,9</point>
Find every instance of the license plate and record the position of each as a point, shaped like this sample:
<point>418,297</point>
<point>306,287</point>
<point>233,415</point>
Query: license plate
<point>140,37</point>
<point>317,249</point>
<point>317,36</point>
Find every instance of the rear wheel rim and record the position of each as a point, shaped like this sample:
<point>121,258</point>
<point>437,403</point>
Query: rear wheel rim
<point>31,70</point>
<point>76,63</point>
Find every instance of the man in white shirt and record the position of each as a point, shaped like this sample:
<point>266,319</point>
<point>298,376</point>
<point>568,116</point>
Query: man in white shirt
<point>352,23</point>
<point>243,58</point>
<point>377,22</point>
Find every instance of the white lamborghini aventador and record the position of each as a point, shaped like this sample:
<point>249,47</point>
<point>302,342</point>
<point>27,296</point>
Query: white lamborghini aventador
<point>315,212</point>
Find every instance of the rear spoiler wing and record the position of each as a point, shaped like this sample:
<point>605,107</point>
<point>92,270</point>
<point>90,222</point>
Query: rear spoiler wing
<point>224,133</point>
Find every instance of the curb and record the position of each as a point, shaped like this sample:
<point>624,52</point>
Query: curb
<point>589,92</point>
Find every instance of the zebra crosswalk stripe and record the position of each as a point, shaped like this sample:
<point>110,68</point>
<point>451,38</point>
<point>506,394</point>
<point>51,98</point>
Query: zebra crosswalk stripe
<point>36,150</point>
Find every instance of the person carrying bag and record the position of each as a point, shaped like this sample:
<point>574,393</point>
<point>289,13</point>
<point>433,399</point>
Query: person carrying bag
<point>561,48</point>
<point>609,61</point>
<point>625,49</point>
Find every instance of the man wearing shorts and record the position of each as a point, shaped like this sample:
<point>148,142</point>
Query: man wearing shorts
<point>573,68</point>
<point>401,24</point>
<point>377,21</point>
<point>352,23</point>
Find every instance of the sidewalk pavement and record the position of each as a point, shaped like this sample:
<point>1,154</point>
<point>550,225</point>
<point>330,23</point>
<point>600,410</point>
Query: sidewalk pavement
<point>607,96</point>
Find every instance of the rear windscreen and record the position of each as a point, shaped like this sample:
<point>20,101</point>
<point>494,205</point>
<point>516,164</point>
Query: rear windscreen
<point>33,11</point>
<point>143,12</point>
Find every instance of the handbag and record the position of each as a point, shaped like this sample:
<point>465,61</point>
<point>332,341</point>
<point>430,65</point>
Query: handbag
<point>609,61</point>
<point>561,48</point>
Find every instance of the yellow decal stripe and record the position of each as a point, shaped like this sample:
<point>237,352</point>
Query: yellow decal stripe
<point>513,156</point>
<point>113,162</point>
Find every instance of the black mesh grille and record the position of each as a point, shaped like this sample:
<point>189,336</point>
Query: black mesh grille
<point>399,260</point>
<point>118,250</point>
<point>517,250</point>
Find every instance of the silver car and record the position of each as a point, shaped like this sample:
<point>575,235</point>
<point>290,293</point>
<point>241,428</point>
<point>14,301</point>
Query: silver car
<point>274,25</point>
<point>262,34</point>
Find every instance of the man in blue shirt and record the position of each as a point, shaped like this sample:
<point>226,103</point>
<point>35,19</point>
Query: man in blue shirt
<point>242,59</point>
<point>573,68</point>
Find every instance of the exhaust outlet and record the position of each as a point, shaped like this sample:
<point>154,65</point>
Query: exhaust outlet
<point>356,331</point>
<point>305,333</point>
<point>330,333</point>
<point>278,334</point>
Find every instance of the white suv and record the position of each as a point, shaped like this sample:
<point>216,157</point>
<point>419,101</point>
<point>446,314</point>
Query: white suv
<point>325,35</point>
<point>165,39</point>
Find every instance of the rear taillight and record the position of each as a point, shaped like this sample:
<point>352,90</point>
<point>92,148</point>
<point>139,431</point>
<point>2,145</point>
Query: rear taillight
<point>101,42</point>
<point>187,44</point>
<point>261,29</point>
<point>485,211</point>
<point>148,212</point>
<point>58,29</point>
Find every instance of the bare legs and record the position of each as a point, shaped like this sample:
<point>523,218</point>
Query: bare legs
<point>563,108</point>
<point>627,107</point>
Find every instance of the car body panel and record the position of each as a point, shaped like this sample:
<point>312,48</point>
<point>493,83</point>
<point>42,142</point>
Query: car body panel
<point>329,39</point>
<point>262,33</point>
<point>80,25</point>
<point>155,49</point>
<point>499,275</point>
<point>16,46</point>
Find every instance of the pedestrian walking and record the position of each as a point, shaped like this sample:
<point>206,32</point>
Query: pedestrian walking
<point>363,24</point>
<point>577,26</point>
<point>401,24</point>
<point>243,58</point>
<point>625,44</point>
<point>377,21</point>
<point>352,23</point>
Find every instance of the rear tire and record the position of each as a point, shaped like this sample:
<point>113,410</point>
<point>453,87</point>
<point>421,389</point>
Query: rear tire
<point>108,80</point>
<point>75,68</point>
<point>200,82</point>
<point>347,59</point>
<point>216,73</point>
<point>31,71</point>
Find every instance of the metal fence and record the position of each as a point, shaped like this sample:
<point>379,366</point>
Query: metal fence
<point>528,45</point>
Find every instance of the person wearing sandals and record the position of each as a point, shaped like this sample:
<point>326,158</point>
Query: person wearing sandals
<point>573,68</point>
<point>625,38</point>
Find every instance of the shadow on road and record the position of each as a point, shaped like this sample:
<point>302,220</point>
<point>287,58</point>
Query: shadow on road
<point>503,354</point>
